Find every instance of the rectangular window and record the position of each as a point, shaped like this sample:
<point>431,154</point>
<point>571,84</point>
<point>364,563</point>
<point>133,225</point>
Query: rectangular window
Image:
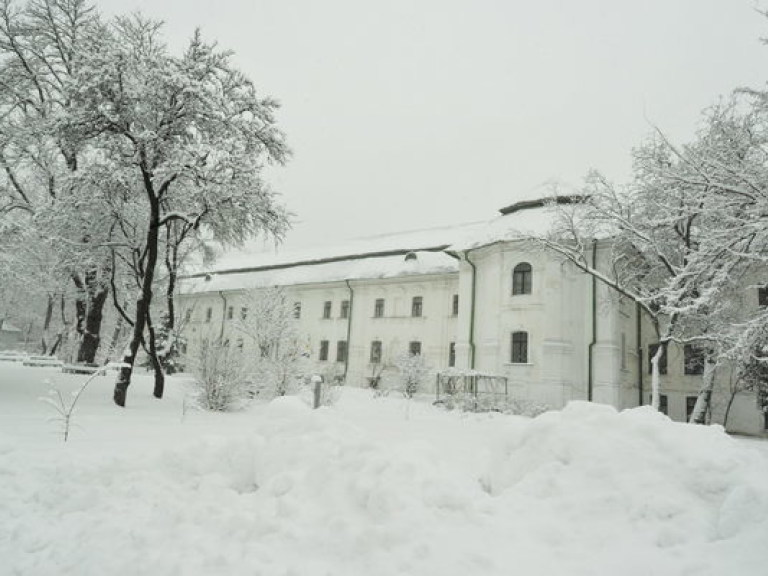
<point>378,308</point>
<point>452,354</point>
<point>519,353</point>
<point>323,356</point>
<point>188,315</point>
<point>762,296</point>
<point>455,305</point>
<point>344,311</point>
<point>690,404</point>
<point>327,309</point>
<point>693,359</point>
<point>230,312</point>
<point>297,309</point>
<point>416,306</point>
<point>662,361</point>
<point>208,314</point>
<point>376,352</point>
<point>414,348</point>
<point>341,351</point>
<point>243,313</point>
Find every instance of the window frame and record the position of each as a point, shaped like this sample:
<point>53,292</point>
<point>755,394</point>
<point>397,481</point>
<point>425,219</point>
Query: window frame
<point>378,308</point>
<point>344,309</point>
<point>455,305</point>
<point>414,348</point>
<point>327,309</point>
<point>452,355</point>
<point>322,353</point>
<point>522,279</point>
<point>519,352</point>
<point>693,360</point>
<point>342,351</point>
<point>376,352</point>
<point>417,307</point>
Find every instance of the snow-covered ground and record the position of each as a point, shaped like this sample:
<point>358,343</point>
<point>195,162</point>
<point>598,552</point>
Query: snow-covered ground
<point>368,487</point>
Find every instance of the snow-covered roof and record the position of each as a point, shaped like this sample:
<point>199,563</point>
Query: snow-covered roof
<point>381,256</point>
<point>353,268</point>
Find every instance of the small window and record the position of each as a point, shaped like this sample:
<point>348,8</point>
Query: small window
<point>243,313</point>
<point>378,308</point>
<point>230,312</point>
<point>323,356</point>
<point>762,296</point>
<point>341,351</point>
<point>414,348</point>
<point>376,352</point>
<point>416,306</point>
<point>662,361</point>
<point>208,314</point>
<point>521,279</point>
<point>519,353</point>
<point>327,309</point>
<point>297,309</point>
<point>344,310</point>
<point>455,305</point>
<point>690,404</point>
<point>188,315</point>
<point>693,358</point>
<point>452,354</point>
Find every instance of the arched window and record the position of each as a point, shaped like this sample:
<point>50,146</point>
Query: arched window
<point>519,353</point>
<point>522,276</point>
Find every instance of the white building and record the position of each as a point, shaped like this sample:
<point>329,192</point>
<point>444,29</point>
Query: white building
<point>476,296</point>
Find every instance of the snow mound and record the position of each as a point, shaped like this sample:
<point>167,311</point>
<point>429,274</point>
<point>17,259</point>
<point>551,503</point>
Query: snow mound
<point>388,487</point>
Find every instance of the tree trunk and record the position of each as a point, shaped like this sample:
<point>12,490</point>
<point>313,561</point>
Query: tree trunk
<point>156,365</point>
<point>655,380</point>
<point>91,336</point>
<point>46,324</point>
<point>704,400</point>
<point>145,297</point>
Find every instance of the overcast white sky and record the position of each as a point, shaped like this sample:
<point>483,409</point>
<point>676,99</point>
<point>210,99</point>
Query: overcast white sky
<point>407,114</point>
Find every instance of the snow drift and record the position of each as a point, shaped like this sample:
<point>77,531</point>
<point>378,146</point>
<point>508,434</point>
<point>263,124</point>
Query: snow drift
<point>368,487</point>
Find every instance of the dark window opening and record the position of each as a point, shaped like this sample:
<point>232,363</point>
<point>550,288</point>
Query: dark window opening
<point>344,311</point>
<point>519,353</point>
<point>522,277</point>
<point>297,309</point>
<point>208,314</point>
<point>417,306</point>
<point>375,352</point>
<point>341,351</point>
<point>452,354</point>
<point>414,348</point>
<point>323,350</point>
<point>327,309</point>
<point>455,305</point>
<point>378,308</point>
<point>693,359</point>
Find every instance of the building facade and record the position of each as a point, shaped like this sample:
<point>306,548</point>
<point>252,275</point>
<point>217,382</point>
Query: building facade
<point>476,297</point>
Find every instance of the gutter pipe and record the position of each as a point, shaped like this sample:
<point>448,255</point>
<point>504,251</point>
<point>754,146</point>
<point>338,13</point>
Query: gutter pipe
<point>471,311</point>
<point>349,328</point>
<point>590,353</point>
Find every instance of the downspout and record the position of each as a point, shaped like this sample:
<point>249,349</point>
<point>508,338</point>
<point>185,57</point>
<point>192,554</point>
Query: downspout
<point>349,328</point>
<point>639,334</point>
<point>590,361</point>
<point>223,315</point>
<point>471,312</point>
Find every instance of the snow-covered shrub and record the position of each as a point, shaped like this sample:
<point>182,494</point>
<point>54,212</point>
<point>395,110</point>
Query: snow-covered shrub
<point>221,377</point>
<point>412,371</point>
<point>279,356</point>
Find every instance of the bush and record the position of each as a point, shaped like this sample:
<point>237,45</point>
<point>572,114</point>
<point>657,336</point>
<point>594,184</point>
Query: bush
<point>221,380</point>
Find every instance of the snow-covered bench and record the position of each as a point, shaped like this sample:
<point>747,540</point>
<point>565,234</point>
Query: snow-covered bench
<point>89,368</point>
<point>12,356</point>
<point>43,362</point>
